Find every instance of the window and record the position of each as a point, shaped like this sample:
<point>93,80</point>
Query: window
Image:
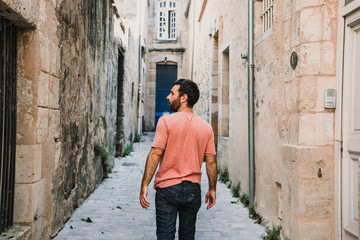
<point>167,20</point>
<point>267,15</point>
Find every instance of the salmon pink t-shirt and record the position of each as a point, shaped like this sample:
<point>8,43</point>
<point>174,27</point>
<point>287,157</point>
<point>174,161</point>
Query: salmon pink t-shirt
<point>185,138</point>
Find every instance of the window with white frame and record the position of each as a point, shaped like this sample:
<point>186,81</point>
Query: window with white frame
<point>167,20</point>
<point>267,15</point>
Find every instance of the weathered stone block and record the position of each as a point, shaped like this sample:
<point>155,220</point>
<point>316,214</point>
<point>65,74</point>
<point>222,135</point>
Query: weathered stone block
<point>316,129</point>
<point>54,58</point>
<point>308,93</point>
<point>29,201</point>
<point>26,11</point>
<point>48,156</point>
<point>289,159</point>
<point>315,230</point>
<point>43,90</point>
<point>54,125</point>
<point>293,128</point>
<point>54,88</point>
<point>309,58</point>
<point>29,57</point>
<point>292,95</point>
<point>300,4</point>
<point>311,24</point>
<point>315,193</point>
<point>28,163</point>
<point>295,29</point>
<point>42,124</point>
<point>328,59</point>
<point>310,160</point>
<point>45,53</point>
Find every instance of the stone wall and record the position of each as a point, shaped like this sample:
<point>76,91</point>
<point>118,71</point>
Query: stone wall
<point>294,133</point>
<point>87,61</point>
<point>67,102</point>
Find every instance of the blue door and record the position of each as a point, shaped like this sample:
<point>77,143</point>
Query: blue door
<point>166,75</point>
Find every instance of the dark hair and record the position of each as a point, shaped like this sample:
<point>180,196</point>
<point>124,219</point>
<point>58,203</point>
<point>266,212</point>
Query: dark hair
<point>189,88</point>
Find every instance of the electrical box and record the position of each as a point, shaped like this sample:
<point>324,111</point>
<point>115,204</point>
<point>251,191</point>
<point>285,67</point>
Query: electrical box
<point>330,98</point>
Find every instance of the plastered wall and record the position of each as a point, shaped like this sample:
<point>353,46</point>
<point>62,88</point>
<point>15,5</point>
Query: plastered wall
<point>294,133</point>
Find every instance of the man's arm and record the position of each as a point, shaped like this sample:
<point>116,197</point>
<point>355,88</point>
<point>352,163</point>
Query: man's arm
<point>152,162</point>
<point>211,170</point>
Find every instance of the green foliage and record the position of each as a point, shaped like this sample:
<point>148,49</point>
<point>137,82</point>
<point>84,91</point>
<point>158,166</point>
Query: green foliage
<point>128,150</point>
<point>244,199</point>
<point>235,190</point>
<point>272,233</point>
<point>224,175</point>
<point>253,215</point>
<point>137,137</point>
<point>105,158</point>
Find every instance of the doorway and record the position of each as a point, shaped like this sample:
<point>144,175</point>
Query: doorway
<point>166,75</point>
<point>120,107</point>
<point>350,128</point>
<point>8,50</point>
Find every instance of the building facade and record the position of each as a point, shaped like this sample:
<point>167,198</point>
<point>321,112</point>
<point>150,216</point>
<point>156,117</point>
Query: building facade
<point>166,55</point>
<point>72,78</point>
<point>306,143</point>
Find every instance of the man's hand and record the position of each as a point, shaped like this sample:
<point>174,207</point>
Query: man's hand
<point>143,197</point>
<point>211,197</point>
<point>211,170</point>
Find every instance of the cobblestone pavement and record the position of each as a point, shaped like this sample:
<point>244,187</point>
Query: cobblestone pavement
<point>116,213</point>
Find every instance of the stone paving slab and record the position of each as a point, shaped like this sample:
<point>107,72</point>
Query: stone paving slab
<point>116,213</point>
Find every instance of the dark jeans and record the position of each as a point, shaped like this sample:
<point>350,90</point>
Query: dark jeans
<point>184,198</point>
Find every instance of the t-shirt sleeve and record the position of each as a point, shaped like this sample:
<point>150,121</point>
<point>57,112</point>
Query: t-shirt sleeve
<point>161,135</point>
<point>210,148</point>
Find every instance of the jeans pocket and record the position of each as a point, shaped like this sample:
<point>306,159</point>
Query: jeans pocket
<point>166,195</point>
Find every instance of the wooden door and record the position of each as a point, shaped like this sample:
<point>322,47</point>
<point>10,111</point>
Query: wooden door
<point>351,127</point>
<point>165,77</point>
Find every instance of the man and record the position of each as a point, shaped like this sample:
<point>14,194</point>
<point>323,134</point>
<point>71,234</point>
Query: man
<point>181,141</point>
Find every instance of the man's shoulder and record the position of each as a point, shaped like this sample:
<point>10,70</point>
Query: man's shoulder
<point>203,123</point>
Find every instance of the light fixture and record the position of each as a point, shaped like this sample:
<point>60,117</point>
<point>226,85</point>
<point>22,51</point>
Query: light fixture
<point>165,59</point>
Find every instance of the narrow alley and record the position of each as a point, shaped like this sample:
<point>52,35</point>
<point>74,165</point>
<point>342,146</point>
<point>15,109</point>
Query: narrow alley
<point>278,82</point>
<point>115,211</point>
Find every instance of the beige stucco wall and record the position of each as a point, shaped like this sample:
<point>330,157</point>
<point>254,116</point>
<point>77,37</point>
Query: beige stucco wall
<point>294,134</point>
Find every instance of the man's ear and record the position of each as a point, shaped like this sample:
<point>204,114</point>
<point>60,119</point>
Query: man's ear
<point>184,98</point>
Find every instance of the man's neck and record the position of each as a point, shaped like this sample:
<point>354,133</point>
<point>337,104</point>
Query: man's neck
<point>185,109</point>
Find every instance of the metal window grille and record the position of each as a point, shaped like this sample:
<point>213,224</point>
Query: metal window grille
<point>267,15</point>
<point>8,41</point>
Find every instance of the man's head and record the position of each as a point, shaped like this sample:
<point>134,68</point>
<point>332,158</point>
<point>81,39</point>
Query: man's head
<point>183,92</point>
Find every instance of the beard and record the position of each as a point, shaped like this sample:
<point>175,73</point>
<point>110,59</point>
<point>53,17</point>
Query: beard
<point>174,106</point>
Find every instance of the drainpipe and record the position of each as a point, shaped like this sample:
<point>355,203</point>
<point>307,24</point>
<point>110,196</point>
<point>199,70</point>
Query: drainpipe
<point>251,126</point>
<point>193,44</point>
<point>139,88</point>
